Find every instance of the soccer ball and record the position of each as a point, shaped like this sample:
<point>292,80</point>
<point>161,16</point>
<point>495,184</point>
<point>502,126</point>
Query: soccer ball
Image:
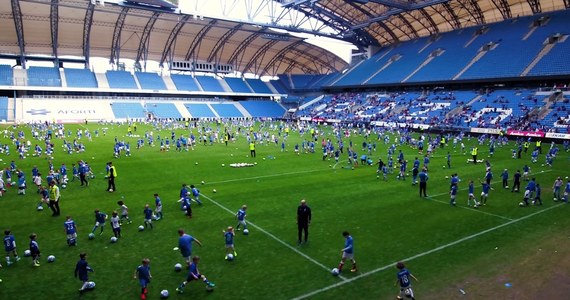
<point>203,182</point>
<point>110,190</point>
<point>91,285</point>
<point>141,228</point>
<point>40,208</point>
<point>63,186</point>
<point>246,231</point>
<point>223,165</point>
<point>214,190</point>
<point>335,272</point>
<point>164,294</point>
<point>27,253</point>
<point>114,239</point>
<point>177,267</point>
<point>51,258</point>
<point>230,257</point>
<point>209,288</point>
<point>521,204</point>
<point>91,236</point>
<point>196,163</point>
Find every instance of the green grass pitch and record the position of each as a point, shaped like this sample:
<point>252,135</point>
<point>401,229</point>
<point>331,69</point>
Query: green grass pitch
<point>388,220</point>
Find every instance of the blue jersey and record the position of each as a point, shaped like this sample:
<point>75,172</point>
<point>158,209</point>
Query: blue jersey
<point>70,227</point>
<point>537,192</point>
<point>471,188</point>
<point>147,213</point>
<point>423,177</point>
<point>531,186</point>
<point>34,247</point>
<point>229,237</point>
<point>100,217</point>
<point>240,215</point>
<point>485,188</point>
<point>183,192</point>
<point>193,273</point>
<point>157,202</point>
<point>9,243</point>
<point>185,244</point>
<point>349,245</point>
<point>195,192</point>
<point>144,272</point>
<point>404,278</point>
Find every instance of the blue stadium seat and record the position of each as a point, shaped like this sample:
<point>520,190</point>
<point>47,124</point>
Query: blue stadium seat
<point>163,110</point>
<point>80,78</point>
<point>184,82</point>
<point>3,108</point>
<point>259,86</point>
<point>150,81</point>
<point>226,110</point>
<point>263,109</point>
<point>199,110</point>
<point>238,85</point>
<point>210,84</point>
<point>128,110</point>
<point>6,75</point>
<point>43,76</point>
<point>121,80</point>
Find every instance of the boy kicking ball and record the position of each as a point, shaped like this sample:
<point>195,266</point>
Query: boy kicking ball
<point>143,274</point>
<point>404,279</point>
<point>229,238</point>
<point>347,252</point>
<point>194,274</point>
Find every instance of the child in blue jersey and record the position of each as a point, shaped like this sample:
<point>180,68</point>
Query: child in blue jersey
<point>158,207</point>
<point>116,224</point>
<point>194,274</point>
<point>453,195</point>
<point>186,204</point>
<point>70,231</point>
<point>10,246</point>
<point>81,271</point>
<point>385,172</point>
<point>35,250</point>
<point>240,216</point>
<point>196,194</point>
<point>484,193</point>
<point>100,218</point>
<point>229,240</point>
<point>347,252</point>
<point>143,274</point>
<point>124,212</point>
<point>405,281</point>
<point>566,190</point>
<point>448,160</point>
<point>537,199</point>
<point>147,216</point>
<point>471,196</point>
<point>185,245</point>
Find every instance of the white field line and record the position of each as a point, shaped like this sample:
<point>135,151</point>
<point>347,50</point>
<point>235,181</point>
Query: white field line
<point>472,209</point>
<point>274,237</point>
<point>266,176</point>
<point>392,265</point>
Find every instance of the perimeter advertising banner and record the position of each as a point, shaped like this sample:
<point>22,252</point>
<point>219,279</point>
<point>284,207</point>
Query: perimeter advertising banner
<point>539,134</point>
<point>65,111</point>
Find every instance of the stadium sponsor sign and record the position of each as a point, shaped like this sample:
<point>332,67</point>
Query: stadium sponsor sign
<point>525,133</point>
<point>486,130</point>
<point>65,110</point>
<point>555,135</point>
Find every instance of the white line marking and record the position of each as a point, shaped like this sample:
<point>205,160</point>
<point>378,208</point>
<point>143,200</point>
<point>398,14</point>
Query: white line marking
<point>265,176</point>
<point>274,237</point>
<point>472,209</point>
<point>423,253</point>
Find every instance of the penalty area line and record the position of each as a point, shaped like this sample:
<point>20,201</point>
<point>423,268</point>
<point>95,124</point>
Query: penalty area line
<point>392,265</point>
<point>280,241</point>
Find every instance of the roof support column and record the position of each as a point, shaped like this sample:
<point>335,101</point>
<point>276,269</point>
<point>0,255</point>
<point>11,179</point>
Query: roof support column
<point>17,13</point>
<point>87,32</point>
<point>54,22</point>
<point>116,43</point>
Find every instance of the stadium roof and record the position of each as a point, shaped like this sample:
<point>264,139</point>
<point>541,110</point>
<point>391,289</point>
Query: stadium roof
<point>84,28</point>
<point>154,30</point>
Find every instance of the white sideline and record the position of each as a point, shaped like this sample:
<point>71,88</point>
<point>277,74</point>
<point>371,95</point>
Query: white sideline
<point>392,265</point>
<point>471,209</point>
<point>274,237</point>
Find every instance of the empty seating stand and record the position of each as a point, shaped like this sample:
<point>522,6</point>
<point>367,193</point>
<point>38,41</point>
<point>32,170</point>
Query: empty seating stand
<point>128,110</point>
<point>200,110</point>
<point>263,109</point>
<point>3,108</point>
<point>44,76</point>
<point>227,110</point>
<point>163,110</point>
<point>238,85</point>
<point>6,75</point>
<point>184,82</point>
<point>259,86</point>
<point>210,84</point>
<point>80,78</point>
<point>150,81</point>
<point>121,80</point>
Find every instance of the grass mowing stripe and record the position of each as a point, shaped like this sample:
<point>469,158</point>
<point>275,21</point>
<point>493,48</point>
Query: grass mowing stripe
<point>266,176</point>
<point>366,274</point>
<point>274,237</point>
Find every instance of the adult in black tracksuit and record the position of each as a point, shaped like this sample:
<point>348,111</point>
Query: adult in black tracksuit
<point>303,220</point>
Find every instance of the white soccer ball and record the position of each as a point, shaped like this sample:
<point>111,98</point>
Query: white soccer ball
<point>203,182</point>
<point>91,236</point>
<point>335,272</point>
<point>246,231</point>
<point>40,208</point>
<point>110,190</point>
<point>196,163</point>
<point>214,190</point>
<point>63,186</point>
<point>521,204</point>
<point>27,253</point>
<point>177,267</point>
<point>141,228</point>
<point>91,285</point>
<point>223,165</point>
<point>230,257</point>
<point>51,258</point>
<point>114,239</point>
<point>164,294</point>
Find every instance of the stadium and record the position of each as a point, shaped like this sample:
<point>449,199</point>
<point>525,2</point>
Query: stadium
<point>240,98</point>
